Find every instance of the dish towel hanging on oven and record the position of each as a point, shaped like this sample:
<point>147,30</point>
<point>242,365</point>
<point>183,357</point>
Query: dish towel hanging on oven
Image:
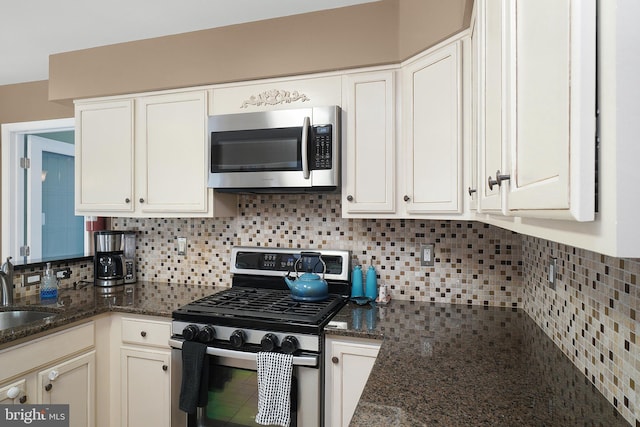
<point>195,376</point>
<point>274,388</point>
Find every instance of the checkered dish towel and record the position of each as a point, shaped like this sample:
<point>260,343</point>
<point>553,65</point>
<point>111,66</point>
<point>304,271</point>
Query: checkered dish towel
<point>274,388</point>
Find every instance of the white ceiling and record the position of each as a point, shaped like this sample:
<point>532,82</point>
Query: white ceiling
<point>31,30</point>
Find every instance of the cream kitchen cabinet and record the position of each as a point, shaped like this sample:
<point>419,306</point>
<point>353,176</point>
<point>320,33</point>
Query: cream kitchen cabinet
<point>488,97</point>
<point>58,368</point>
<point>146,156</point>
<point>369,144</point>
<point>348,363</point>
<point>432,131</point>
<point>552,107</point>
<point>104,157</point>
<point>536,108</point>
<point>145,377</point>
<point>403,141</point>
<point>71,382</point>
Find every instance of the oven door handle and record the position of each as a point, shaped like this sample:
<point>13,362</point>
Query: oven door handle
<point>247,355</point>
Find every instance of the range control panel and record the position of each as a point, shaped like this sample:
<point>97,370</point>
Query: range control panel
<point>265,261</point>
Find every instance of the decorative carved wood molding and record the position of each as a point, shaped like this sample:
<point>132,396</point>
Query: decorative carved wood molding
<point>275,97</point>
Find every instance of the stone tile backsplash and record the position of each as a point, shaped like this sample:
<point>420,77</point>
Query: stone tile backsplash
<point>474,263</point>
<point>592,315</point>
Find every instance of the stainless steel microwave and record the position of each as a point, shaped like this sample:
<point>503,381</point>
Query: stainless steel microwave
<point>295,150</point>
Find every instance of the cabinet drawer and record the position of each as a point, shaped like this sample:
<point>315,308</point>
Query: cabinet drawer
<point>146,332</point>
<point>41,351</point>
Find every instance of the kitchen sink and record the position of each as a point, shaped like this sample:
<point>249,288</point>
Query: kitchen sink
<point>17,318</point>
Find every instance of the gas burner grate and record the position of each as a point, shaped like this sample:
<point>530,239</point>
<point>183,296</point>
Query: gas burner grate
<point>263,304</point>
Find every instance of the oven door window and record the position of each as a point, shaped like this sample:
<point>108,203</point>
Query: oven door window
<point>256,150</point>
<point>233,398</point>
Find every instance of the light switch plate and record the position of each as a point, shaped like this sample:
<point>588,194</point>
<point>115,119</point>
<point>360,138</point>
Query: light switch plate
<point>427,255</point>
<point>553,272</point>
<point>182,245</point>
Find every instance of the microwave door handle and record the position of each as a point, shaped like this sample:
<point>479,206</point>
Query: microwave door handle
<point>304,147</point>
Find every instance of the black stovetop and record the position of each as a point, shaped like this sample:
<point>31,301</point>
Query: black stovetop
<point>261,308</point>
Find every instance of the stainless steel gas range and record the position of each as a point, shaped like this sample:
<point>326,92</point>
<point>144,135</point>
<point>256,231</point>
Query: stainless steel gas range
<point>258,314</point>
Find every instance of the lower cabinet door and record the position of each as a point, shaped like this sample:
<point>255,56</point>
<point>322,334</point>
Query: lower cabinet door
<point>146,387</point>
<point>348,366</point>
<point>71,382</point>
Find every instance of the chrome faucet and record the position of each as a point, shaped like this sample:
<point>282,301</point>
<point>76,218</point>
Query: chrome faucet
<point>6,283</point>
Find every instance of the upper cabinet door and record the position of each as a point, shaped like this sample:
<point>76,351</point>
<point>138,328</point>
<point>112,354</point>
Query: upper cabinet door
<point>369,146</point>
<point>172,148</point>
<point>104,157</point>
<point>551,107</point>
<point>432,131</point>
<point>492,150</point>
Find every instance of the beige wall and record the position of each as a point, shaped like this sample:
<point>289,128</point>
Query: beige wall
<point>375,33</point>
<point>424,23</point>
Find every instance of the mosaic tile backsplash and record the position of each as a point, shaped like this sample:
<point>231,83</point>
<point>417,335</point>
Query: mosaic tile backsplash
<point>592,315</point>
<point>474,263</point>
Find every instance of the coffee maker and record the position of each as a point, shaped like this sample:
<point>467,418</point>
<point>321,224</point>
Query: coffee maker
<point>114,259</point>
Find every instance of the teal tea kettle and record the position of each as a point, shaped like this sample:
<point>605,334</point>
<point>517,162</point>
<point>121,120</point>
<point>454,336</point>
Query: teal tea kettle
<point>308,286</point>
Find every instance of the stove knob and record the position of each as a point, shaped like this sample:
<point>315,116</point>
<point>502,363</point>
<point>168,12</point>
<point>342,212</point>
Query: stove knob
<point>206,334</point>
<point>190,332</point>
<point>269,342</point>
<point>237,338</point>
<point>290,344</point>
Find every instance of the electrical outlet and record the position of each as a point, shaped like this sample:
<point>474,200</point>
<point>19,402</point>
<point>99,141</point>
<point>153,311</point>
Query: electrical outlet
<point>553,272</point>
<point>30,279</point>
<point>63,273</point>
<point>427,255</point>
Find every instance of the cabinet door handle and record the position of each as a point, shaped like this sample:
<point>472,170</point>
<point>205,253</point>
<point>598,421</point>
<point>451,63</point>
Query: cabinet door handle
<point>143,334</point>
<point>406,198</point>
<point>471,191</point>
<point>23,399</point>
<point>491,183</point>
<point>141,200</point>
<point>127,200</point>
<point>501,177</point>
<point>334,359</point>
<point>350,198</point>
<point>48,387</point>
<point>165,368</point>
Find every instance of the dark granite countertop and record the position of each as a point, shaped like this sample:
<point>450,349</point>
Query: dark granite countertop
<point>456,365</point>
<point>149,298</point>
<point>439,364</point>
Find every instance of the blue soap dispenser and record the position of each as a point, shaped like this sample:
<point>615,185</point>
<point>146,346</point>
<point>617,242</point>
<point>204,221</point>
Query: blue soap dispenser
<point>357,289</point>
<point>371,289</point>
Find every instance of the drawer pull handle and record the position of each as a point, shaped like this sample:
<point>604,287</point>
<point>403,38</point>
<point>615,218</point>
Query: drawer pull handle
<point>165,368</point>
<point>48,387</point>
<point>143,334</point>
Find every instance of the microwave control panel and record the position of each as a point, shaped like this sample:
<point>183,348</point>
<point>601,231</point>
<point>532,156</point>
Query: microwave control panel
<point>321,149</point>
